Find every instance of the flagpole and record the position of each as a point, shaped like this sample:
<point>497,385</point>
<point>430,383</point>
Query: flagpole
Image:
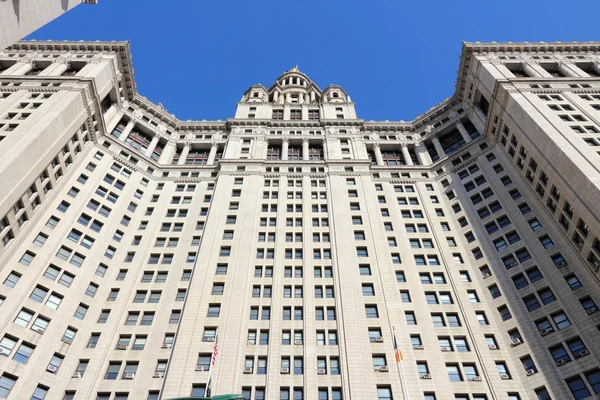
<point>211,365</point>
<point>207,382</point>
<point>403,376</point>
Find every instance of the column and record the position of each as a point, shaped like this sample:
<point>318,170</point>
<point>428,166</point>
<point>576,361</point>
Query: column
<point>481,115</point>
<point>312,97</point>
<point>576,70</point>
<point>285,149</point>
<point>112,116</point>
<point>566,70</point>
<point>275,94</point>
<point>127,130</point>
<point>166,157</point>
<point>184,154</point>
<point>478,123</point>
<point>152,146</point>
<point>305,143</point>
<point>422,153</point>
<point>377,152</point>
<point>438,147</point>
<point>59,68</point>
<point>24,68</point>
<point>596,67</point>
<point>325,149</point>
<point>212,154</point>
<point>406,154</point>
<point>463,132</point>
<point>541,72</point>
<point>530,70</point>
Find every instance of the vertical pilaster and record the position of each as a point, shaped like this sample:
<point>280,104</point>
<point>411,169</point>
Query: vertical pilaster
<point>305,144</point>
<point>285,148</point>
<point>213,153</point>
<point>184,153</point>
<point>463,132</point>
<point>406,154</point>
<point>438,147</point>
<point>127,130</point>
<point>377,152</point>
<point>152,146</point>
<point>166,157</point>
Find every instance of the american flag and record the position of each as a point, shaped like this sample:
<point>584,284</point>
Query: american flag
<point>215,349</point>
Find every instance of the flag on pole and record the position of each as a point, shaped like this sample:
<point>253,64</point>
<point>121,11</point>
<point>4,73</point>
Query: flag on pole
<point>397,350</point>
<point>215,349</point>
<point>207,390</point>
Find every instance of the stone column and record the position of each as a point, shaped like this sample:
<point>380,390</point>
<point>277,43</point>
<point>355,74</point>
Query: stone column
<point>325,149</point>
<point>214,147</point>
<point>422,153</point>
<point>530,70</point>
<point>275,95</point>
<point>305,143</point>
<point>377,152</point>
<point>565,68</point>
<point>152,145</point>
<point>481,115</point>
<point>406,154</point>
<point>596,66</point>
<point>541,72</point>
<point>166,157</point>
<point>127,130</point>
<point>463,132</point>
<point>438,147</point>
<point>112,116</point>
<point>60,67</point>
<point>576,70</point>
<point>184,154</point>
<point>285,149</point>
<point>24,68</point>
<point>478,121</point>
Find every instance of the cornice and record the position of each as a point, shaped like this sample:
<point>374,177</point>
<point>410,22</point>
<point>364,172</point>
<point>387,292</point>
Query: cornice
<point>469,49</point>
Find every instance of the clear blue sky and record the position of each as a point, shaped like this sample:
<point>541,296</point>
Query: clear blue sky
<point>396,58</point>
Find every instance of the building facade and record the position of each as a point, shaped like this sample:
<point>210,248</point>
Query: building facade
<point>19,18</point>
<point>300,235</point>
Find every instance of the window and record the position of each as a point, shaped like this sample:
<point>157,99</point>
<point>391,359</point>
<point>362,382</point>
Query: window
<point>175,316</point>
<point>371,311</point>
<point>39,393</point>
<point>573,282</point>
<point>481,318</point>
<point>384,393</point>
<point>588,304</point>
<point>23,353</point>
<point>559,354</point>
<point>461,344</point>
<point>577,347</point>
<point>214,310</point>
<point>578,388</point>
<point>103,316</point>
<point>454,373</point>
<point>379,361</point>
<point>593,378</point>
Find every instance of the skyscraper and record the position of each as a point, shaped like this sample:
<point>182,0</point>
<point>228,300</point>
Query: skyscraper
<point>18,18</point>
<point>301,234</point>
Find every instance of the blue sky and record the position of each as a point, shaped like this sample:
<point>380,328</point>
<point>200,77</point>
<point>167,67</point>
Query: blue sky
<point>395,58</point>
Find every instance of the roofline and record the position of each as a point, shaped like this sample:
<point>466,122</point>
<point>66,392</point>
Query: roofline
<point>468,50</point>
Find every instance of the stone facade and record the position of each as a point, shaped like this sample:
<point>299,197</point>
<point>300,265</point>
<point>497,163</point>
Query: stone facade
<point>301,234</point>
<point>19,18</point>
